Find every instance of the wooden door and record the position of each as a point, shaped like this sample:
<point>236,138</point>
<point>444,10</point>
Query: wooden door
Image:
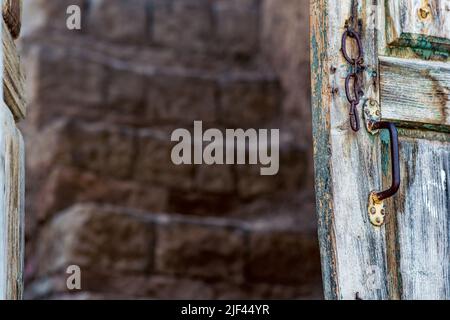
<point>12,110</point>
<point>407,79</point>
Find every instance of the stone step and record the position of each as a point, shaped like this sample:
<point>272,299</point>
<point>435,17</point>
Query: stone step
<point>114,244</point>
<point>72,160</point>
<point>210,27</point>
<point>146,93</point>
<point>121,287</point>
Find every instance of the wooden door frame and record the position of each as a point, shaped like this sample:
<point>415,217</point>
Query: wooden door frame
<point>12,166</point>
<point>347,164</point>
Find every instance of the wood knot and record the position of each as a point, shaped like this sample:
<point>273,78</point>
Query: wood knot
<point>12,11</point>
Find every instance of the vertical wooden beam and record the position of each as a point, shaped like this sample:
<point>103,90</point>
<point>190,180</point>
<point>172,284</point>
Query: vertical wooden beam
<point>347,164</point>
<point>322,153</point>
<point>11,198</point>
<point>12,207</point>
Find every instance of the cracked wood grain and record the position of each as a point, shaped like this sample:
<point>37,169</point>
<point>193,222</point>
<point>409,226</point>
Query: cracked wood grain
<point>12,186</point>
<point>13,77</point>
<point>423,218</point>
<point>11,207</point>
<point>415,91</point>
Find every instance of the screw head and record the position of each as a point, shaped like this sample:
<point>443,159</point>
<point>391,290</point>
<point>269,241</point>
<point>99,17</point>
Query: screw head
<point>424,12</point>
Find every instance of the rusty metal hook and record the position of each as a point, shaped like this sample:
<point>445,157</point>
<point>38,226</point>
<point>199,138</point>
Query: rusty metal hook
<point>354,119</point>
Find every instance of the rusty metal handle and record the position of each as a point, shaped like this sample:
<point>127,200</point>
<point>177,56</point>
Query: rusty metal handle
<point>376,206</point>
<point>395,162</point>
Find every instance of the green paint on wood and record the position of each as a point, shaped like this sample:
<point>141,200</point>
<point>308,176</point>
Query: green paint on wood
<point>385,159</point>
<point>425,47</point>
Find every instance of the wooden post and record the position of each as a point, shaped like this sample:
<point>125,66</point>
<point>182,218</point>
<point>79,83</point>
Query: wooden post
<point>12,109</point>
<point>347,164</point>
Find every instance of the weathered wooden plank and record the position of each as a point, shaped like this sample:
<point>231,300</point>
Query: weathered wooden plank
<point>11,197</point>
<point>423,219</point>
<point>321,103</point>
<point>12,12</point>
<point>11,206</point>
<point>347,164</point>
<point>415,91</point>
<point>413,47</point>
<point>419,23</point>
<point>14,77</point>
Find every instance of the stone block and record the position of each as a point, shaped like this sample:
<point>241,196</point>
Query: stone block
<point>67,186</point>
<point>248,102</point>
<point>283,257</point>
<point>124,95</point>
<point>201,203</point>
<point>237,26</point>
<point>93,237</point>
<point>250,182</point>
<point>64,79</point>
<point>199,251</point>
<point>153,163</point>
<point>119,21</point>
<point>183,24</point>
<point>180,98</point>
<point>215,178</point>
<point>103,149</point>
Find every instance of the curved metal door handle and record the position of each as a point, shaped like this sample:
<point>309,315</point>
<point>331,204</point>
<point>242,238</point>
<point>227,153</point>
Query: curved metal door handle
<point>376,205</point>
<point>395,162</point>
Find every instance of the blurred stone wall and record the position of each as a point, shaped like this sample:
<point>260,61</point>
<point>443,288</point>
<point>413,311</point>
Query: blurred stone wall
<point>102,192</point>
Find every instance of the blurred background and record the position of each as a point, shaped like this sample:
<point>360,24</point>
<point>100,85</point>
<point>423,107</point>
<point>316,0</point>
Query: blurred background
<point>102,192</point>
